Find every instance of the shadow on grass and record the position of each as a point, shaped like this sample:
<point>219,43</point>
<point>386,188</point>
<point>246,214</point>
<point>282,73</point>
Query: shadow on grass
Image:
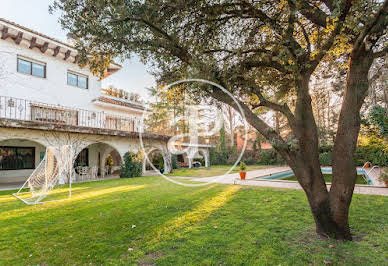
<point>183,225</point>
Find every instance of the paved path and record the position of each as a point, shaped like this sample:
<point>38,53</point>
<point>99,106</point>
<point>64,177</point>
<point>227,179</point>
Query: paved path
<point>251,180</point>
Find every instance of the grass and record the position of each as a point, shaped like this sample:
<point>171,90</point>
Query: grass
<point>360,179</point>
<point>215,170</point>
<point>151,221</point>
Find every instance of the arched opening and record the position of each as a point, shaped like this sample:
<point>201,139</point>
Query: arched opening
<point>199,159</point>
<point>155,159</point>
<point>98,160</point>
<point>18,159</point>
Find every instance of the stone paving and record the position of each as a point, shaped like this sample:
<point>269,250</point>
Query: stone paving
<point>252,180</point>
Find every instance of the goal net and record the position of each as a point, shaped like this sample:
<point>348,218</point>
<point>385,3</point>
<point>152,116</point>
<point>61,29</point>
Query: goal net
<point>54,171</point>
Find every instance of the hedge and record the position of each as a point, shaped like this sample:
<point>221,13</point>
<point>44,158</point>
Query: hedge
<point>377,154</point>
<point>132,166</point>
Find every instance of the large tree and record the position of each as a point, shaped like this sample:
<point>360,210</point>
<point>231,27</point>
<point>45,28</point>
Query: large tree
<point>264,52</point>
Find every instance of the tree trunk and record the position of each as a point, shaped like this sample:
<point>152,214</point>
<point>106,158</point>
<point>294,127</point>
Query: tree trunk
<point>344,168</point>
<point>307,168</point>
<point>231,126</point>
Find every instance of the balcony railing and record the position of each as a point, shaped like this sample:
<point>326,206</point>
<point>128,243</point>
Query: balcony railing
<point>21,109</point>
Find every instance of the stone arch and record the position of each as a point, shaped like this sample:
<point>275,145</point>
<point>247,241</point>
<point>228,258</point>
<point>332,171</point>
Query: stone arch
<point>97,155</point>
<point>166,158</point>
<point>13,138</point>
<point>17,164</point>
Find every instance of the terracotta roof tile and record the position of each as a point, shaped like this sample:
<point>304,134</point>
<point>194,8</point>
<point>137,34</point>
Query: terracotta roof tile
<point>44,36</point>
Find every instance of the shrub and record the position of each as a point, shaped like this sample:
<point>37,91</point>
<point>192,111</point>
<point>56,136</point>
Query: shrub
<point>270,157</point>
<point>377,154</point>
<point>218,157</point>
<point>325,148</point>
<point>174,161</point>
<point>379,119</point>
<point>325,158</point>
<point>158,161</point>
<point>132,165</point>
<point>243,167</point>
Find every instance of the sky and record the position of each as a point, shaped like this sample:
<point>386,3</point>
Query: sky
<point>33,14</point>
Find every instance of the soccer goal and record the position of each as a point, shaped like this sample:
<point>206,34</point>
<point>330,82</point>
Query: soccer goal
<point>54,172</point>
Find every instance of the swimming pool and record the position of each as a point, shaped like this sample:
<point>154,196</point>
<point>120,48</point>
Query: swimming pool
<point>325,170</point>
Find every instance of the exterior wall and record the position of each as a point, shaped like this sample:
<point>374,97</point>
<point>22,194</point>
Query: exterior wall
<point>9,176</point>
<point>53,89</point>
<point>96,143</point>
<point>117,109</point>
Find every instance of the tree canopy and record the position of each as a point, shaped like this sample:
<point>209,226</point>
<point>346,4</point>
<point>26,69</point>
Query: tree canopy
<point>265,53</point>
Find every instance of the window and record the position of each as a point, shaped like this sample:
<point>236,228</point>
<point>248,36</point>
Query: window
<point>16,158</point>
<point>77,80</point>
<point>31,68</point>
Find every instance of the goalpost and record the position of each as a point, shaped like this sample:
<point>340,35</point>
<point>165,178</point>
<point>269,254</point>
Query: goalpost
<point>55,169</point>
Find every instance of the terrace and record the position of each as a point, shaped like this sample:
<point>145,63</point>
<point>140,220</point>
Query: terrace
<point>48,114</point>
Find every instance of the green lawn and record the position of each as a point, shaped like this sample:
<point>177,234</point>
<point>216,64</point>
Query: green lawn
<point>214,170</point>
<point>176,225</point>
<point>360,179</point>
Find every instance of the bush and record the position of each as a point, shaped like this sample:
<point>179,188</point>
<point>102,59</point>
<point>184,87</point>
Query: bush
<point>158,161</point>
<point>243,167</point>
<point>372,149</point>
<point>174,161</point>
<point>249,157</point>
<point>269,157</point>
<point>325,148</point>
<point>132,166</point>
<point>325,158</point>
<point>218,157</point>
<point>377,154</point>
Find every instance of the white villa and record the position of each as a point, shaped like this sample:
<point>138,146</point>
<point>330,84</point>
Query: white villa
<point>46,99</point>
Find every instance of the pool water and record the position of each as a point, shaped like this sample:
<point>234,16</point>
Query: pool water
<point>360,179</point>
<point>326,171</point>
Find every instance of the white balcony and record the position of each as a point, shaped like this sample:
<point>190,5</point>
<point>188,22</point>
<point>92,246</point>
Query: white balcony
<point>22,109</point>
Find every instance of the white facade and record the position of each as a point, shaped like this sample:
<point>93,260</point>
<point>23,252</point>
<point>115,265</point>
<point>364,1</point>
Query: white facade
<point>37,112</point>
<point>54,88</point>
<point>49,102</point>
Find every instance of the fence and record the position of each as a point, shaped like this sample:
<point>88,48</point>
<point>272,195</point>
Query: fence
<point>21,109</point>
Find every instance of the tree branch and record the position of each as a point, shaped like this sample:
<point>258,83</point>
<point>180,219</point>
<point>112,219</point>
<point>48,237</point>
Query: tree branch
<point>329,4</point>
<point>269,133</point>
<point>265,62</point>
<point>305,35</point>
<point>314,14</point>
<point>378,19</point>
<point>380,53</point>
<point>329,42</point>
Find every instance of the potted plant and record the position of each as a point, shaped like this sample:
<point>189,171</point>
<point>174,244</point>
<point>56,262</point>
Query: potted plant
<point>384,176</point>
<point>243,168</point>
<point>114,92</point>
<point>109,162</point>
<point>121,93</point>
